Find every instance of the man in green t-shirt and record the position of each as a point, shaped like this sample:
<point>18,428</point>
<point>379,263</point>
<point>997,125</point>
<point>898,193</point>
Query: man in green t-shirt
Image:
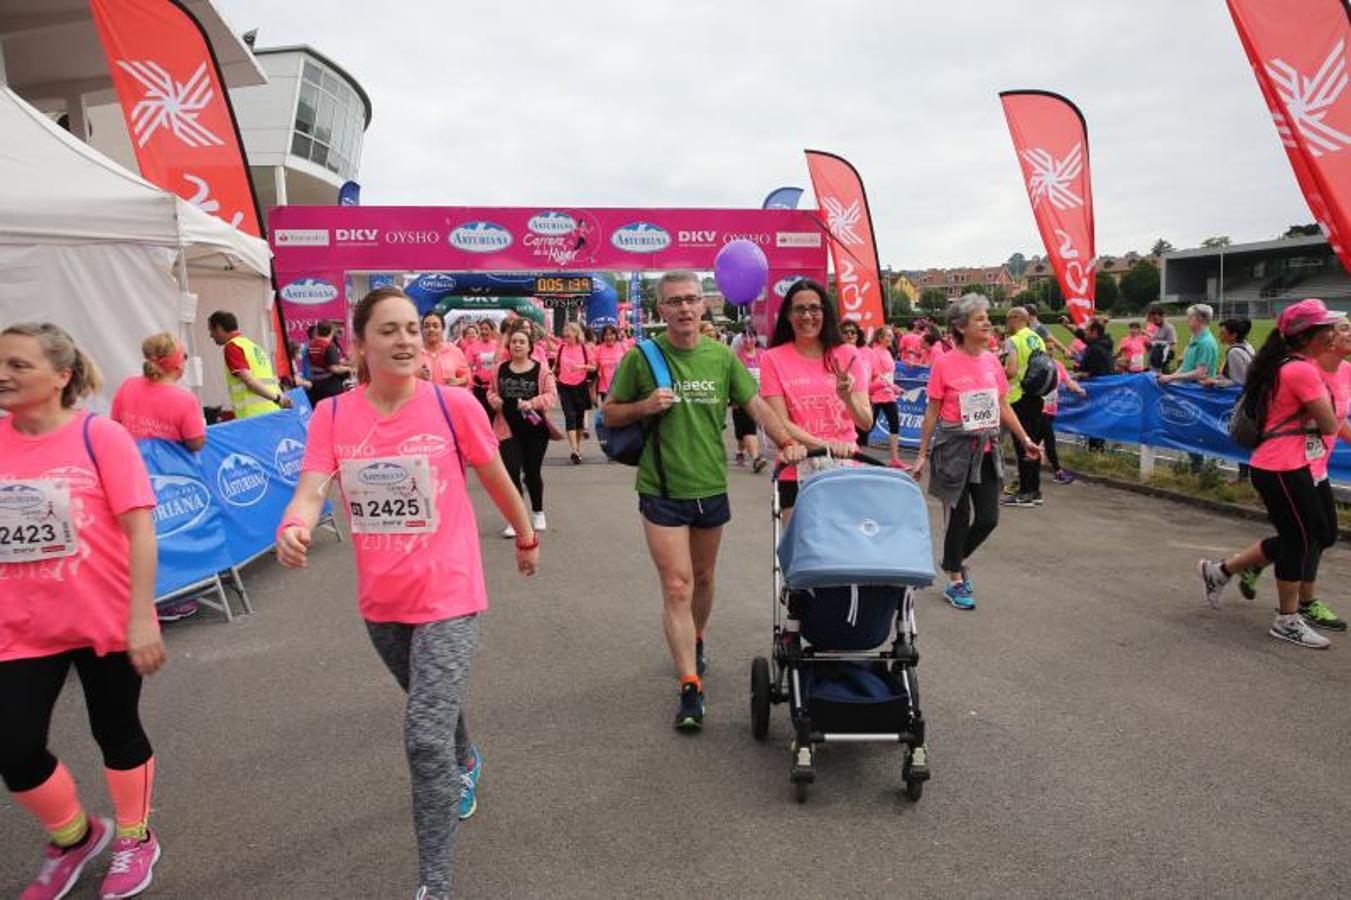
<point>683,502</point>
<point>1201,359</point>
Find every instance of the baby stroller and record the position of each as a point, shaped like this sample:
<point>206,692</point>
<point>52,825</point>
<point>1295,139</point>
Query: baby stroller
<point>845,573</point>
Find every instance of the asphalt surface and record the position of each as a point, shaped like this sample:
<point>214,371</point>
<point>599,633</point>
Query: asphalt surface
<point>1095,730</point>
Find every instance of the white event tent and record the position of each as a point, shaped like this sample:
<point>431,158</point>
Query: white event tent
<point>113,259</point>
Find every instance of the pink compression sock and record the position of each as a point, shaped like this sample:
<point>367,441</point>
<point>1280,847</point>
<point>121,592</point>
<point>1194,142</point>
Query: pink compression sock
<point>56,804</point>
<point>130,790</point>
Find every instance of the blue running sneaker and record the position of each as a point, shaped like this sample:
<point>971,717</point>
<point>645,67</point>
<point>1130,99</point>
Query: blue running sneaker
<point>959,595</point>
<point>966,580</point>
<point>690,714</point>
<point>469,784</point>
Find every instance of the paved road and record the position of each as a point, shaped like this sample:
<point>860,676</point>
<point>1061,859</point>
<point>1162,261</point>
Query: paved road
<point>1095,731</point>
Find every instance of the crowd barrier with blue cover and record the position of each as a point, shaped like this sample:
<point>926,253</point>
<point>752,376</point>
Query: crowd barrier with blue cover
<point>219,508</point>
<point>1131,409</point>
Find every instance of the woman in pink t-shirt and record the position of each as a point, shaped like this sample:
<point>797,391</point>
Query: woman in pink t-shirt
<point>152,405</point>
<point>1285,382</point>
<point>401,449</point>
<point>573,365</point>
<point>607,356</point>
<point>442,362</point>
<point>77,585</point>
<point>882,391</point>
<point>812,379</point>
<point>750,351</point>
<point>959,441</point>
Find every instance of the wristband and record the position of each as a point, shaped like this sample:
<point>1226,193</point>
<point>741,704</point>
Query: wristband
<point>530,546</point>
<point>287,523</point>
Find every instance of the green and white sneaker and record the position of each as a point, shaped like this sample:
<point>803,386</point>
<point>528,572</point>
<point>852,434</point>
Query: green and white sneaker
<point>1320,615</point>
<point>1247,582</point>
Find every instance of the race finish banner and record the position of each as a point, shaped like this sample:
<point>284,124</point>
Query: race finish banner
<point>1051,140</point>
<point>844,206</point>
<point>315,245</point>
<point>1298,51</point>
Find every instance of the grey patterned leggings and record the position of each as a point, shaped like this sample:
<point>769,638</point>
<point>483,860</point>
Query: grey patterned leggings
<point>431,663</point>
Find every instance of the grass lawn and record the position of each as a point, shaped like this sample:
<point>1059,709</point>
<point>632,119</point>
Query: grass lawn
<point>1118,328</point>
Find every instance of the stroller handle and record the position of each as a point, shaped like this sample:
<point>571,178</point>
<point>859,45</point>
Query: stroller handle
<point>818,452</point>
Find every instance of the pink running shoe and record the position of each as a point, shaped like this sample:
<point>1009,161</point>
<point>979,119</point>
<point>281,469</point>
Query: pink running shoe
<point>63,867</point>
<point>132,867</point>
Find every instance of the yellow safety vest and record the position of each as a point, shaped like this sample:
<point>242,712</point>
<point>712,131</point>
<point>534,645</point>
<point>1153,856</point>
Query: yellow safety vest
<point>1025,340</point>
<point>245,402</point>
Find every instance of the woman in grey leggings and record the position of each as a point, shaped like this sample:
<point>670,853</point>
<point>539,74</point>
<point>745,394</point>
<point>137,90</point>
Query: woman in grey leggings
<point>401,449</point>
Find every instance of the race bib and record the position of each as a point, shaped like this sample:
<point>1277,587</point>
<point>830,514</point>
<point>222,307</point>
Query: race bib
<point>980,409</point>
<point>1314,448</point>
<point>35,520</point>
<point>1137,361</point>
<point>755,373</point>
<point>485,359</point>
<point>390,495</point>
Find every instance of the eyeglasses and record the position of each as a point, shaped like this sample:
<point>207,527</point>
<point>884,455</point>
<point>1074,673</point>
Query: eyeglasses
<point>686,300</point>
<point>802,312</point>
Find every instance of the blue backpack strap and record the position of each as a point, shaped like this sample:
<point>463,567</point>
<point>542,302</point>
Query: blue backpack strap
<point>455,436</point>
<point>661,373</point>
<point>89,445</point>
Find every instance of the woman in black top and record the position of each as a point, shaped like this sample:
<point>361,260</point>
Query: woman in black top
<point>521,394</point>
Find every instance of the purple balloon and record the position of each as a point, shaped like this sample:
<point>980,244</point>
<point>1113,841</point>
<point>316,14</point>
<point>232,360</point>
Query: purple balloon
<point>741,271</point>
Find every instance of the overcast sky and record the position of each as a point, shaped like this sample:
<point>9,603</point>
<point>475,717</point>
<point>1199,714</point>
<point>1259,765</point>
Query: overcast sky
<point>711,102</point>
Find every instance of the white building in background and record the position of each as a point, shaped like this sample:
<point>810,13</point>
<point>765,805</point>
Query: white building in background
<point>302,117</point>
<point>302,130</point>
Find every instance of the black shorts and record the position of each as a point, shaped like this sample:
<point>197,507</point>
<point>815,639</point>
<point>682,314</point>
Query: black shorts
<point>706,512</point>
<point>787,493</point>
<point>742,423</point>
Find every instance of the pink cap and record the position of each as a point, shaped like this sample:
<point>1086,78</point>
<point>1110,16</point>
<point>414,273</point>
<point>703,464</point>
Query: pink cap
<point>1300,317</point>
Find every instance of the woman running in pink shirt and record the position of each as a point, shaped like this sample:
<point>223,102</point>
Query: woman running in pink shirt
<point>401,449</point>
<point>77,589</point>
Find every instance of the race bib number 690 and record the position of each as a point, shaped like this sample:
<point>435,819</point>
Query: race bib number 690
<point>980,409</point>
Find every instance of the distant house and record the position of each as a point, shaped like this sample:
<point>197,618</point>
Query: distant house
<point>953,282</point>
<point>1039,269</point>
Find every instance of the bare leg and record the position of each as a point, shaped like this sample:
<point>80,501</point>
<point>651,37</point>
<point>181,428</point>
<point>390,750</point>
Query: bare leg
<point>704,543</point>
<point>670,549</point>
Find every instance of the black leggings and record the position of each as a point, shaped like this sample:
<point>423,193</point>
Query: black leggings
<point>481,395</point>
<point>28,692</point>
<point>1048,434</point>
<point>1305,519</point>
<point>743,426</point>
<point>1028,409</point>
<point>965,534</point>
<point>576,400</point>
<point>523,455</point>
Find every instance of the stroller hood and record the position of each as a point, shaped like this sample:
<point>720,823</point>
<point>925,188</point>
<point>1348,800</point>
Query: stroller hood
<point>858,526</point>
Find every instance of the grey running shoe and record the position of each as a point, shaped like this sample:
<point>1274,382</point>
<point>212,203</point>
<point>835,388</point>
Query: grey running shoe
<point>1294,629</point>
<point>1213,580</point>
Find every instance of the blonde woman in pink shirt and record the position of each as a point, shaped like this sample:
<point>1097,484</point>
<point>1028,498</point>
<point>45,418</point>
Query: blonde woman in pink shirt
<point>747,348</point>
<point>401,449</point>
<point>574,364</point>
<point>77,591</point>
<point>152,405</point>
<point>608,354</point>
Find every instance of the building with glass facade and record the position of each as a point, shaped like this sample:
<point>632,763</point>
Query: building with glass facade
<point>302,130</point>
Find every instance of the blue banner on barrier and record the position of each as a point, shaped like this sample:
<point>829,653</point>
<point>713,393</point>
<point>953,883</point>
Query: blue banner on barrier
<point>1136,409</point>
<point>221,506</point>
<point>188,526</point>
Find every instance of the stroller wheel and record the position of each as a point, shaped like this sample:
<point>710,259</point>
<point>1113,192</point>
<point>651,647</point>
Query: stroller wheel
<point>914,790</point>
<point>800,791</point>
<point>759,698</point>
